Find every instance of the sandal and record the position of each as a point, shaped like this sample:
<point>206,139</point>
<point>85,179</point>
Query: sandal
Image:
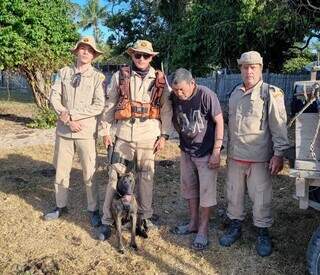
<point>182,230</point>
<point>200,243</point>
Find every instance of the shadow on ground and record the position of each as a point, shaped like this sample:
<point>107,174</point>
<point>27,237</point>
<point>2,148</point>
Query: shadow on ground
<point>291,231</point>
<point>14,118</point>
<point>32,181</point>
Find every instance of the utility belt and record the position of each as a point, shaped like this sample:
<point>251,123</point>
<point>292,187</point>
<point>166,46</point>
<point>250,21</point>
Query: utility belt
<point>127,109</point>
<point>129,164</point>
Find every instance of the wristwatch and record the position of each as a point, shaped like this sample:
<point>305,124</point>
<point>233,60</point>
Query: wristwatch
<point>166,137</point>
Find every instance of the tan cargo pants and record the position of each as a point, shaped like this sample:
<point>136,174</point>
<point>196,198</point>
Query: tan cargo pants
<point>64,152</point>
<point>257,178</point>
<point>143,152</point>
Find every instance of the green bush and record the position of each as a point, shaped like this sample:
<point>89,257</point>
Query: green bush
<point>295,64</point>
<point>45,119</point>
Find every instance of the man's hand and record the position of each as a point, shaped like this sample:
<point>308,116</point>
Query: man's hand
<point>275,165</point>
<point>159,144</point>
<point>75,126</point>
<point>214,160</point>
<point>107,141</point>
<point>64,117</point>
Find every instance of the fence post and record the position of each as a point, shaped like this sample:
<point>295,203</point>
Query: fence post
<point>217,84</point>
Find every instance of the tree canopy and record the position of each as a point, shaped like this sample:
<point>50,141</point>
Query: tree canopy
<point>91,16</point>
<point>202,35</point>
<point>35,39</point>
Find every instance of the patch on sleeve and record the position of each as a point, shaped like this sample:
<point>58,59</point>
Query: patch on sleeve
<point>102,77</point>
<point>278,96</point>
<point>277,93</point>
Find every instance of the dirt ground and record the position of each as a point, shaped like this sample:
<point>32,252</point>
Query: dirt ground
<point>29,245</point>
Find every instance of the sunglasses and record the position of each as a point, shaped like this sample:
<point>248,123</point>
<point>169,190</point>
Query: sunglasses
<point>139,55</point>
<point>76,79</point>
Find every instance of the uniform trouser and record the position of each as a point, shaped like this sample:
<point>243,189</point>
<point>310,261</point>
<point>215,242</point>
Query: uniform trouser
<point>258,180</point>
<point>142,152</point>
<point>63,157</point>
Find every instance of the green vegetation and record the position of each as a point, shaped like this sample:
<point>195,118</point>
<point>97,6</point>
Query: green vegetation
<point>35,40</point>
<point>202,35</point>
<point>295,64</point>
<point>45,119</point>
<point>91,15</point>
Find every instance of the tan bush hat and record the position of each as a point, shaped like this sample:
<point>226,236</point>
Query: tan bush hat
<point>251,57</point>
<point>142,46</point>
<point>87,40</point>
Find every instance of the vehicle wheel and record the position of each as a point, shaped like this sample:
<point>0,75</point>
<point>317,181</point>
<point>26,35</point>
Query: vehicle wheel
<point>313,253</point>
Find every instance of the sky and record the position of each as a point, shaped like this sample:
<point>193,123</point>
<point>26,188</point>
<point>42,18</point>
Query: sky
<point>105,30</point>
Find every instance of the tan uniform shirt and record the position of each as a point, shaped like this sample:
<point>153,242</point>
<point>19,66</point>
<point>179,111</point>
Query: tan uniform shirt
<point>140,90</point>
<point>257,126</point>
<point>84,102</point>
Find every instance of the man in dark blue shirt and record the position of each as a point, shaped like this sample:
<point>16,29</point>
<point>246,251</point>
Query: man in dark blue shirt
<point>198,120</point>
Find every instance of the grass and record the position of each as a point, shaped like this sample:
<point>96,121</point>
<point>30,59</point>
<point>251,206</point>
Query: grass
<point>17,95</point>
<point>29,245</point>
<point>20,103</point>
<point>69,245</point>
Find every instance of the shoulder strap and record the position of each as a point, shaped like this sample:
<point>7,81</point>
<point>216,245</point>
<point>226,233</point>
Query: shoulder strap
<point>158,88</point>
<point>232,90</point>
<point>265,96</point>
<point>124,81</point>
<point>265,91</point>
<point>160,80</point>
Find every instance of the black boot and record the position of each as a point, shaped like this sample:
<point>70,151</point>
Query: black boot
<point>104,232</point>
<point>263,244</point>
<point>95,218</point>
<point>233,233</point>
<point>55,213</point>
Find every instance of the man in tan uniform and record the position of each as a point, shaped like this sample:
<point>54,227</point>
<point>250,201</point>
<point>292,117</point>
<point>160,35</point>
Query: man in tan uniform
<point>138,133</point>
<point>77,96</point>
<point>257,140</point>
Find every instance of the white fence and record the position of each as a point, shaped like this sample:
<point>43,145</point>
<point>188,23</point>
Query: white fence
<point>13,81</point>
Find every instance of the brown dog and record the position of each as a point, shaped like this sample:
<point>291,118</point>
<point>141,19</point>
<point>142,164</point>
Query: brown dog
<point>124,207</point>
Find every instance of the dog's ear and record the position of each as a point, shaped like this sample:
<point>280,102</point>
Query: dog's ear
<point>131,174</point>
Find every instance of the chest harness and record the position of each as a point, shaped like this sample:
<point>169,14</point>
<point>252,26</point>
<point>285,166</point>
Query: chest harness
<point>128,108</point>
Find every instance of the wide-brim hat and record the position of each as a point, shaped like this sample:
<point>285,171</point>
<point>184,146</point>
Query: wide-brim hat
<point>142,46</point>
<point>251,57</point>
<point>87,40</point>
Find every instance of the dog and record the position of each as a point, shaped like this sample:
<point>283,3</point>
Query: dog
<point>124,207</point>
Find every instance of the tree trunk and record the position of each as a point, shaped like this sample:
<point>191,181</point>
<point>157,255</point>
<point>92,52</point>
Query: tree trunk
<point>40,86</point>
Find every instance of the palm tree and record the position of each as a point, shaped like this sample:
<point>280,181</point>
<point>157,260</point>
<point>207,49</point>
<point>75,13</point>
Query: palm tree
<point>92,15</point>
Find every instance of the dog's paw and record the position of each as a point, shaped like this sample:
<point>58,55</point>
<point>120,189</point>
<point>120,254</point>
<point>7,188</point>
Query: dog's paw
<point>142,233</point>
<point>134,246</point>
<point>121,250</point>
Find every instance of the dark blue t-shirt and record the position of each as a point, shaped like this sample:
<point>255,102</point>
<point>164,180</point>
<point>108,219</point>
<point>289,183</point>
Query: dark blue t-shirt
<point>193,120</point>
